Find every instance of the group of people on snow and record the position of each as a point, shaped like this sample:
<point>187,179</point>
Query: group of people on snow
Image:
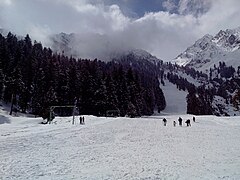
<point>180,120</point>
<point>81,120</point>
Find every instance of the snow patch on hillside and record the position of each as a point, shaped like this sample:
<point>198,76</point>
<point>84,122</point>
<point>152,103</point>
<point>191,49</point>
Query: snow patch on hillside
<point>175,99</point>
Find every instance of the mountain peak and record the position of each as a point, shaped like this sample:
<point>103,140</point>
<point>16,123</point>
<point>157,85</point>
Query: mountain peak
<point>142,54</point>
<point>210,50</point>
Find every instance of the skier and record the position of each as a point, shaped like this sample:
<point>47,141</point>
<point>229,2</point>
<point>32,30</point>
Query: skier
<point>193,119</point>
<point>174,123</point>
<point>180,121</point>
<point>188,122</point>
<point>164,121</point>
<point>80,119</point>
<point>83,120</point>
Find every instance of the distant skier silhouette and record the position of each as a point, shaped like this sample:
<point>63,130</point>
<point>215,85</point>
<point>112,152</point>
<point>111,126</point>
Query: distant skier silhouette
<point>80,119</point>
<point>174,123</point>
<point>164,121</point>
<point>180,121</point>
<point>188,122</point>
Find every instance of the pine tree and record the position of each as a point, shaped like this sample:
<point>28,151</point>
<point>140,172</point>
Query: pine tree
<point>112,102</point>
<point>1,84</point>
<point>236,99</point>
<point>100,96</point>
<point>35,78</point>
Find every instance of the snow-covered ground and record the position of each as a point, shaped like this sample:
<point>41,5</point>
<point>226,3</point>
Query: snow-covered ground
<point>120,148</point>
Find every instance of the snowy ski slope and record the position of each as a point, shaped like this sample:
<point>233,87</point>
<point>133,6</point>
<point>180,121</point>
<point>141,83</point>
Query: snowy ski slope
<point>119,148</point>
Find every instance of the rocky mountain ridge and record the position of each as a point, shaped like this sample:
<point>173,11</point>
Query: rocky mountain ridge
<point>210,50</point>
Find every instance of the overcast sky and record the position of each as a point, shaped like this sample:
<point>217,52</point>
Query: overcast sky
<point>165,28</point>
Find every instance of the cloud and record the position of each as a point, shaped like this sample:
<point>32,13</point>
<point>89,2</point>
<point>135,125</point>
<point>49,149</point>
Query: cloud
<point>170,5</point>
<point>186,7</point>
<point>103,28</point>
<point>194,7</point>
<point>6,2</point>
<point>41,33</point>
<point>162,34</point>
<point>222,15</point>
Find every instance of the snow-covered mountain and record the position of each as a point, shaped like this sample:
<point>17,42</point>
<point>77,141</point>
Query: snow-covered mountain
<point>138,54</point>
<point>206,52</point>
<point>210,50</point>
<point>177,82</point>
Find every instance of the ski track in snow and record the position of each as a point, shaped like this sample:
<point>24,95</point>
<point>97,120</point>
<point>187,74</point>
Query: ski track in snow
<point>121,148</point>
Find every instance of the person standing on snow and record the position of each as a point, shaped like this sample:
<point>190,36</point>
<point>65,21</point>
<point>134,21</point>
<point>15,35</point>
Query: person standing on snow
<point>83,120</point>
<point>180,121</point>
<point>188,122</point>
<point>80,119</point>
<point>174,123</point>
<point>164,121</point>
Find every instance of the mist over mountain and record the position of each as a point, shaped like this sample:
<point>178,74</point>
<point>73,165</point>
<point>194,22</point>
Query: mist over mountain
<point>163,28</point>
<point>208,72</point>
<point>77,46</point>
<point>103,47</point>
<point>210,92</point>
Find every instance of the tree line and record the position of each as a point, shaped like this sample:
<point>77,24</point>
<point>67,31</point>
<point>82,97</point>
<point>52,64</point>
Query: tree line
<point>33,78</point>
<point>223,82</point>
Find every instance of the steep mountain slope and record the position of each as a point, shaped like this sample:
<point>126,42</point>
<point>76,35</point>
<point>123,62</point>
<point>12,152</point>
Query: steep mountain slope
<point>210,50</point>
